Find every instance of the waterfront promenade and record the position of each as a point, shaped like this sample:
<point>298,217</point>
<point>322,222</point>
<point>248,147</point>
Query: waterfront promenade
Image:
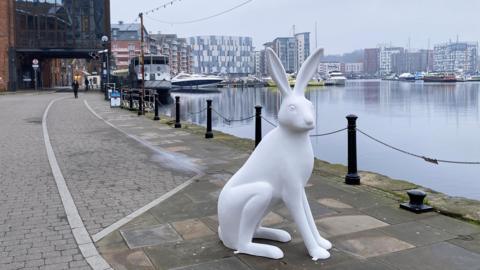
<point>146,195</point>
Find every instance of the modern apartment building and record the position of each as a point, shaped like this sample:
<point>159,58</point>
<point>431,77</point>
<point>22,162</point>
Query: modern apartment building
<point>385,58</point>
<point>126,43</point>
<point>352,68</point>
<point>259,68</point>
<point>371,61</point>
<point>221,55</point>
<point>456,56</point>
<point>292,51</point>
<point>177,49</point>
<point>302,46</point>
<point>286,51</point>
<point>412,61</point>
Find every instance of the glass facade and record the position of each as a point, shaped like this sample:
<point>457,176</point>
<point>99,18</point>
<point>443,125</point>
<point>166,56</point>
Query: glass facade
<point>61,24</point>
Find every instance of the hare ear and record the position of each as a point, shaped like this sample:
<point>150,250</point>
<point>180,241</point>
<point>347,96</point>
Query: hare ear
<point>278,72</point>
<point>308,69</point>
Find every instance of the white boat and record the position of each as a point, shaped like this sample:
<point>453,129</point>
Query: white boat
<point>157,72</point>
<point>473,78</point>
<point>189,80</point>
<point>406,77</point>
<point>335,78</point>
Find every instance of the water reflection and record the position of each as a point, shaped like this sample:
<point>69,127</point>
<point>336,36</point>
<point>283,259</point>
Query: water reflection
<point>436,120</point>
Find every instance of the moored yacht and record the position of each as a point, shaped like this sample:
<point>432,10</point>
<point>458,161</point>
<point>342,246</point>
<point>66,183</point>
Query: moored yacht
<point>190,80</point>
<point>406,77</point>
<point>473,78</point>
<point>335,78</point>
<point>440,77</point>
<point>156,69</point>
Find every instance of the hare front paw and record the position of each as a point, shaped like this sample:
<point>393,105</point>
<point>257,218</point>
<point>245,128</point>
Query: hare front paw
<point>324,243</point>
<point>319,253</point>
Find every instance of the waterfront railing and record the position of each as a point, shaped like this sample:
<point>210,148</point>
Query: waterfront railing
<point>131,97</point>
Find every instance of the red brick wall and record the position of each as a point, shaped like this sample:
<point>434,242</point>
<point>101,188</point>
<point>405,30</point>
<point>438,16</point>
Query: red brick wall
<point>6,39</point>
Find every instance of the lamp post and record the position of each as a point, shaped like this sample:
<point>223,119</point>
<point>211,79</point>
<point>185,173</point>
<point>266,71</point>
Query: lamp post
<point>141,109</point>
<point>106,67</point>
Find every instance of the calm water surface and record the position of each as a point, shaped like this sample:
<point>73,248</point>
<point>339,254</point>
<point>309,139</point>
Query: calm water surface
<point>436,120</point>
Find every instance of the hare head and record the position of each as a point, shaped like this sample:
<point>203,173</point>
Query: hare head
<point>296,112</point>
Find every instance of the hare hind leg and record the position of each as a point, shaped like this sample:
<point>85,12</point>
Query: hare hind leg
<point>259,197</point>
<point>272,234</point>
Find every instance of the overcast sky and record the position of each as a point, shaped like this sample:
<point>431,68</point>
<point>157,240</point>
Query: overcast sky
<point>343,25</point>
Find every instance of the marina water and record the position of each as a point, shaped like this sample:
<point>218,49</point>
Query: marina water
<point>436,120</point>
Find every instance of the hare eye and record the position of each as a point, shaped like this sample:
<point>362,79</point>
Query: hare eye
<point>292,108</point>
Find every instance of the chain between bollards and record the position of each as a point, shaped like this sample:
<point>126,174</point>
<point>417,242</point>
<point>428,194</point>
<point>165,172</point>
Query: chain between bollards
<point>352,177</point>
<point>258,125</point>
<point>177,112</point>
<point>209,133</point>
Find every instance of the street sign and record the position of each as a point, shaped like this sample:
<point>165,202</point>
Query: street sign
<point>35,61</point>
<point>35,66</point>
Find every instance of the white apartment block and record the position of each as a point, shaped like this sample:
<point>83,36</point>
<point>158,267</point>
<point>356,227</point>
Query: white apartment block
<point>353,68</point>
<point>259,62</point>
<point>458,56</point>
<point>326,67</point>
<point>302,45</point>
<point>221,54</point>
<point>386,58</point>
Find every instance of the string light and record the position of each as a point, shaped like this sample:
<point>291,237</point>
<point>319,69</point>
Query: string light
<point>164,5</point>
<point>204,18</point>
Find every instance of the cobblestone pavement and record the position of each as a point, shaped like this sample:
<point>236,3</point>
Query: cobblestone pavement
<point>34,232</point>
<point>109,174</point>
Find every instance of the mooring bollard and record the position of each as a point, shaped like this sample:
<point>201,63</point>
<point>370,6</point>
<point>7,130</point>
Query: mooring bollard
<point>416,202</point>
<point>130,100</point>
<point>155,96</point>
<point>258,125</point>
<point>177,112</point>
<point>209,133</point>
<point>352,177</point>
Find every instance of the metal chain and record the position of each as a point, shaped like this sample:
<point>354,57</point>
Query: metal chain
<point>328,133</point>
<point>231,120</point>
<point>268,121</point>
<point>427,159</point>
<point>202,110</point>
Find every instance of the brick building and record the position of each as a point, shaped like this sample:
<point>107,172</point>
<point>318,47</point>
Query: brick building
<point>47,31</point>
<point>126,43</point>
<point>371,61</point>
<point>7,41</point>
<point>177,49</point>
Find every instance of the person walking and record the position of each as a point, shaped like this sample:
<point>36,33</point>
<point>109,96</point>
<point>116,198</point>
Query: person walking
<point>75,87</point>
<point>86,84</point>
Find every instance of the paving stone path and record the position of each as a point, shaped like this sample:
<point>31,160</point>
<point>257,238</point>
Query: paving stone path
<point>366,226</point>
<point>34,232</point>
<point>109,174</point>
<point>116,163</point>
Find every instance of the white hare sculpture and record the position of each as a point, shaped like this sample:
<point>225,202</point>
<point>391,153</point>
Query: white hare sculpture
<point>277,170</point>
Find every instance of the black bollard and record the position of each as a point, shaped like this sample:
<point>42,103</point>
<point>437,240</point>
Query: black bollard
<point>352,177</point>
<point>209,133</point>
<point>416,202</point>
<point>258,125</point>
<point>105,91</point>
<point>156,118</point>
<point>130,100</point>
<point>177,112</point>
